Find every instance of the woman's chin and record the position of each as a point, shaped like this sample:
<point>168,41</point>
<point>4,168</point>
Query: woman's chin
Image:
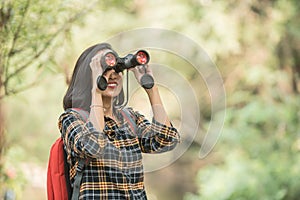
<point>110,93</point>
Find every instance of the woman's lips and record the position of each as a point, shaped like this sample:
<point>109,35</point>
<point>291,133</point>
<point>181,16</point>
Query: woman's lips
<point>112,84</point>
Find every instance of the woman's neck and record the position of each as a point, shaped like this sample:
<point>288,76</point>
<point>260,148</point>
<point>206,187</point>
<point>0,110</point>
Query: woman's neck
<point>107,105</point>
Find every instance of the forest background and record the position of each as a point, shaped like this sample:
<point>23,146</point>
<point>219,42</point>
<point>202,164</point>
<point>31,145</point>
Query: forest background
<point>254,46</point>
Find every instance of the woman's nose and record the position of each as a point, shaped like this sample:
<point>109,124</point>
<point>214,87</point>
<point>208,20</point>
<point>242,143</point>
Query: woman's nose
<point>113,74</point>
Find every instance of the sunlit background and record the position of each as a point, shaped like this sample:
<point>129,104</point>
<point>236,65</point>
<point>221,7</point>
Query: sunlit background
<point>254,45</point>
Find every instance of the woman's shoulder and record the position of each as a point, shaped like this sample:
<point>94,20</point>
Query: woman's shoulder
<point>76,112</point>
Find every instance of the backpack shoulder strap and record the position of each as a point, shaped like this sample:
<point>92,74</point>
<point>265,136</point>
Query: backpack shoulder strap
<point>81,162</point>
<point>78,177</point>
<point>84,114</point>
<point>130,118</point>
<point>67,175</point>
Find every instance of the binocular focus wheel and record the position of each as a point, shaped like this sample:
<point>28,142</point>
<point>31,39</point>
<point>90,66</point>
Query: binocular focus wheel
<point>147,81</point>
<point>101,83</point>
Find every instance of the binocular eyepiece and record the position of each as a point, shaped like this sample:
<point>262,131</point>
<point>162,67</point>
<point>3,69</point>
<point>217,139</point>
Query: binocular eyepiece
<point>111,60</point>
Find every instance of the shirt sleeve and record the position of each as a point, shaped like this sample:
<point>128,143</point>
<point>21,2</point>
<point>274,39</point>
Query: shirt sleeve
<point>155,137</point>
<point>81,139</point>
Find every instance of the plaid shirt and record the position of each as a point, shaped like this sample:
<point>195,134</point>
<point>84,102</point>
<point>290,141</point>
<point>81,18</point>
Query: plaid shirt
<point>115,169</point>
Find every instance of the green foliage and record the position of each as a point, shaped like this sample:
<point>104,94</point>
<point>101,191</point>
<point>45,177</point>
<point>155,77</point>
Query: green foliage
<point>12,176</point>
<point>30,32</point>
<point>260,146</point>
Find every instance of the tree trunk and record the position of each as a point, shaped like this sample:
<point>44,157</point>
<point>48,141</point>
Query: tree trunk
<point>2,124</point>
<point>2,145</point>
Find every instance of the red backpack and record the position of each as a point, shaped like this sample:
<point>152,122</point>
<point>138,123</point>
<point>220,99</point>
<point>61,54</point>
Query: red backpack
<point>58,180</point>
<point>56,176</point>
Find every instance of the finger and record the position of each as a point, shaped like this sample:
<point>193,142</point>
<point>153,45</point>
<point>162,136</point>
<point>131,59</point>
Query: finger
<point>149,70</point>
<point>132,69</point>
<point>97,56</point>
<point>93,64</point>
<point>96,60</point>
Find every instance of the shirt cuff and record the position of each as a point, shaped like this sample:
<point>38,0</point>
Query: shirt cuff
<point>164,129</point>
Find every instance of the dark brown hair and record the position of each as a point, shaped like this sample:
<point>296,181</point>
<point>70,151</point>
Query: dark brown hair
<point>79,94</point>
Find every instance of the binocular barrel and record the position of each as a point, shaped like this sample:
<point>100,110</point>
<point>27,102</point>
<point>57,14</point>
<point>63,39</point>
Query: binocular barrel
<point>131,60</point>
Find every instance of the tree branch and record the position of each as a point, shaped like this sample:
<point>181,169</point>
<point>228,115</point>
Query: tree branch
<point>64,27</point>
<point>16,34</point>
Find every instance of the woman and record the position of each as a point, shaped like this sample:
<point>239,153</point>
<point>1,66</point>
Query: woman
<point>112,147</point>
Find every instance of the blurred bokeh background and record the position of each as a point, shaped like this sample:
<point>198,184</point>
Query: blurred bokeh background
<point>255,44</point>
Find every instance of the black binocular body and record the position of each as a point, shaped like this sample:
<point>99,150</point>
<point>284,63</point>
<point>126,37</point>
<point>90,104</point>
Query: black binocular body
<point>111,60</point>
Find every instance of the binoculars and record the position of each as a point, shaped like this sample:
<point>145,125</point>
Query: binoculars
<point>111,60</point>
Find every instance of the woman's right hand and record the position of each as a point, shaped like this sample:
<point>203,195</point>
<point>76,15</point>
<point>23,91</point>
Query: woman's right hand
<point>97,70</point>
<point>96,113</point>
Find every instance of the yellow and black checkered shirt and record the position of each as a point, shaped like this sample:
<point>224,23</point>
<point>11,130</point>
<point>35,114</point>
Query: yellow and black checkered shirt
<point>115,169</point>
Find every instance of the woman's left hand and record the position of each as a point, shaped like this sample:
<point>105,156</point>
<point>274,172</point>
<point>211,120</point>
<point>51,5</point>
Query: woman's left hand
<point>140,70</point>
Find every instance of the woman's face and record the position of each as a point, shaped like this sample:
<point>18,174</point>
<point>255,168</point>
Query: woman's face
<point>114,81</point>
